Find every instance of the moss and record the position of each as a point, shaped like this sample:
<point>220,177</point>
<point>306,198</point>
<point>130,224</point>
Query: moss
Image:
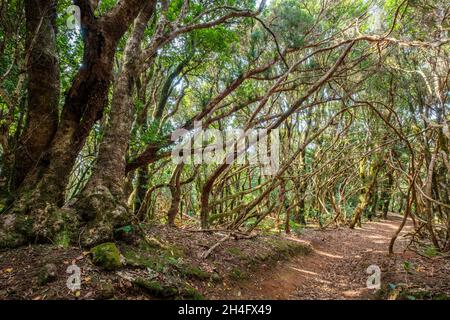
<point>235,251</point>
<point>11,240</point>
<point>139,259</point>
<point>106,256</point>
<point>193,272</point>
<point>106,290</point>
<point>24,225</point>
<point>168,290</point>
<point>422,295</point>
<point>174,251</point>
<point>289,248</point>
<point>430,251</point>
<point>46,274</point>
<point>63,238</point>
<point>156,288</point>
<point>191,294</point>
<point>441,296</point>
<point>237,274</point>
<point>65,227</point>
<point>215,277</point>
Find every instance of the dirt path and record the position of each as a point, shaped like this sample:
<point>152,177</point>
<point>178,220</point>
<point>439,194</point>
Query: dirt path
<point>336,269</point>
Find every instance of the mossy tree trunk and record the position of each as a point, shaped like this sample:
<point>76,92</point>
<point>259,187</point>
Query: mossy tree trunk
<point>102,205</point>
<point>43,91</point>
<point>367,191</point>
<point>386,195</point>
<point>35,214</point>
<point>175,191</point>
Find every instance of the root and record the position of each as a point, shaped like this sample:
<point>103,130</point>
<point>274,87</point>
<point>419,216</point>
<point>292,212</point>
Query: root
<point>100,212</point>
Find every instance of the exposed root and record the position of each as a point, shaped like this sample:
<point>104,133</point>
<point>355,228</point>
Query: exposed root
<point>101,213</point>
<point>35,222</point>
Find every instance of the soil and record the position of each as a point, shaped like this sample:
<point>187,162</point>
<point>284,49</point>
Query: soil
<point>337,268</point>
<point>316,264</point>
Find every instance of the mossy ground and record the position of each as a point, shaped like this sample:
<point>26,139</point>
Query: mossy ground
<point>166,265</point>
<point>106,256</point>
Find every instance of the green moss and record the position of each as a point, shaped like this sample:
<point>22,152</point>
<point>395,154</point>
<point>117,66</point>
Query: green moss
<point>24,225</point>
<point>11,240</point>
<point>441,296</point>
<point>106,256</point>
<point>422,295</point>
<point>46,274</point>
<point>63,239</point>
<point>193,272</point>
<point>237,274</point>
<point>191,294</point>
<point>167,290</point>
<point>289,248</point>
<point>235,251</point>
<point>215,277</point>
<point>106,290</point>
<point>431,251</point>
<point>139,259</point>
<point>156,288</point>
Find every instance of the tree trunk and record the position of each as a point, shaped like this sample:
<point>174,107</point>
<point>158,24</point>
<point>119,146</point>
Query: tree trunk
<point>43,88</point>
<point>102,205</point>
<point>175,191</point>
<point>386,195</point>
<point>36,214</point>
<point>141,187</point>
<point>366,196</point>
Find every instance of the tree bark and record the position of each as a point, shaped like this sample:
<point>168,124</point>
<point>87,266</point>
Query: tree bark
<point>43,88</point>
<point>175,191</point>
<point>102,205</point>
<point>36,214</point>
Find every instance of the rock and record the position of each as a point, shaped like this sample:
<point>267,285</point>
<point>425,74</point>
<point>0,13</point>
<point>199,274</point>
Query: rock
<point>169,290</point>
<point>215,277</point>
<point>48,273</point>
<point>156,288</point>
<point>106,256</point>
<point>106,290</point>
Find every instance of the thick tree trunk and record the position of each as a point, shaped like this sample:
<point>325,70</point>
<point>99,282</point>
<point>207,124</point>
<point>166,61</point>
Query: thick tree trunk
<point>365,197</point>
<point>43,88</point>
<point>36,213</point>
<point>102,205</point>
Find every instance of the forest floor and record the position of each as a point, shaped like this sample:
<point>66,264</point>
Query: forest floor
<point>315,264</point>
<point>337,268</point>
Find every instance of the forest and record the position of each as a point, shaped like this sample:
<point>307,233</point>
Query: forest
<point>224,149</point>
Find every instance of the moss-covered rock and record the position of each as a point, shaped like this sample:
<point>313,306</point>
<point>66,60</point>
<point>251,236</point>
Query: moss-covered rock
<point>168,290</point>
<point>106,290</point>
<point>106,256</point>
<point>237,274</point>
<point>191,294</point>
<point>156,288</point>
<point>289,248</point>
<point>47,273</point>
<point>190,271</point>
